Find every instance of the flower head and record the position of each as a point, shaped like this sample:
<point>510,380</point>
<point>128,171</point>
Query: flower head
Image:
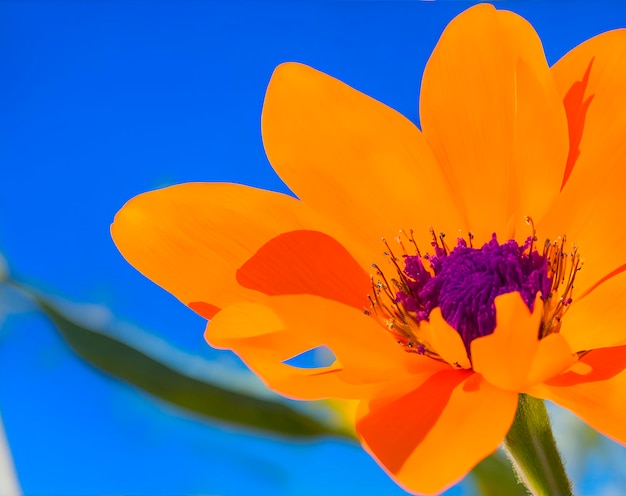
<point>519,163</point>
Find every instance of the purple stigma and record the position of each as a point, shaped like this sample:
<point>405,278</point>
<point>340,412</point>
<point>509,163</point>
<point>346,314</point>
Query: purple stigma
<point>467,280</point>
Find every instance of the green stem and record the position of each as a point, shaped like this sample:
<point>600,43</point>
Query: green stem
<point>533,452</point>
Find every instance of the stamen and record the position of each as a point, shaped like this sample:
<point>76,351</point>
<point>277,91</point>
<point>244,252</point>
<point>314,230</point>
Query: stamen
<point>383,285</point>
<point>533,238</point>
<point>464,283</point>
<point>562,269</point>
<point>411,239</point>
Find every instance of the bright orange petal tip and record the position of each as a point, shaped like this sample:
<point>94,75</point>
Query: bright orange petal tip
<point>191,238</point>
<point>352,158</point>
<point>494,119</point>
<point>448,269</point>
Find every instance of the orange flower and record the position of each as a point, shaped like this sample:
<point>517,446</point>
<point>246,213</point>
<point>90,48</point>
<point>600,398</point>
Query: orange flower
<point>439,341</point>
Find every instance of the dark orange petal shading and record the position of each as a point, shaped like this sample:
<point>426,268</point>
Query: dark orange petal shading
<point>597,365</point>
<point>491,113</point>
<point>206,310</point>
<point>266,335</point>
<point>594,390</point>
<point>576,104</point>
<point>307,262</point>
<point>190,239</point>
<point>352,158</point>
<point>590,207</point>
<point>430,437</point>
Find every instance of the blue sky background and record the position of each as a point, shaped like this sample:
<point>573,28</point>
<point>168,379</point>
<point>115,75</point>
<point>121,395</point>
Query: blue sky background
<point>100,101</point>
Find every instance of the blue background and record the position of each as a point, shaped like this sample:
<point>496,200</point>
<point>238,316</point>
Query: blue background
<point>100,101</point>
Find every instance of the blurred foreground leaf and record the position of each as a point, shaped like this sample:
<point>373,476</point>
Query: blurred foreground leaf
<point>208,400</point>
<point>494,476</point>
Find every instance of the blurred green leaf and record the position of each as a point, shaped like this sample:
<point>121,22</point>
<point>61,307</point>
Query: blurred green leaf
<point>208,400</point>
<point>494,476</point>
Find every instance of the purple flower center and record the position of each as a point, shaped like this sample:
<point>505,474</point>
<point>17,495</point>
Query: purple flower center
<point>467,280</point>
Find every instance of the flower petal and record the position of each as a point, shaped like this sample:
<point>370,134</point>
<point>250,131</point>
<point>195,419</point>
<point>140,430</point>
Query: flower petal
<point>307,262</point>
<point>444,340</point>
<point>491,113</point>
<point>512,357</point>
<point>593,390</point>
<point>266,335</point>
<point>596,320</point>
<point>191,238</point>
<point>431,436</point>
<point>350,157</point>
<point>590,207</point>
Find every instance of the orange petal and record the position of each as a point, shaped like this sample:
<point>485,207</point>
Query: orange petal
<point>266,335</point>
<point>590,208</point>
<point>434,434</point>
<point>596,394</point>
<point>595,366</point>
<point>353,158</point>
<point>191,238</point>
<point>491,113</point>
<point>307,262</point>
<point>597,319</point>
<point>512,357</point>
<point>442,338</point>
